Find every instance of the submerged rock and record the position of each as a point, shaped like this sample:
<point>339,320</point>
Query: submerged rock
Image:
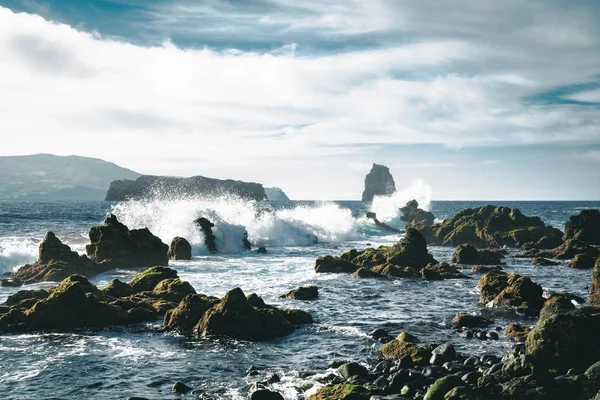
<point>584,227</point>
<point>56,261</point>
<point>490,226</point>
<point>206,228</point>
<point>378,182</point>
<point>335,265</point>
<point>470,321</point>
<point>114,245</point>
<point>180,249</point>
<point>235,316</point>
<point>413,215</point>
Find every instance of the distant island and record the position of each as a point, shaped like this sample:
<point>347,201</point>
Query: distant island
<point>51,177</point>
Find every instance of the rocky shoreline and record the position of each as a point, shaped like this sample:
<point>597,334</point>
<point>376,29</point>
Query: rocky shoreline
<point>556,358</point>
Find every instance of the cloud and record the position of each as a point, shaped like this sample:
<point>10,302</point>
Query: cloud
<point>203,89</point>
<point>588,96</point>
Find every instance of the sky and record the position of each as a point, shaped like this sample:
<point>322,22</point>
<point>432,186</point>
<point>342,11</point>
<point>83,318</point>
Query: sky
<point>480,99</point>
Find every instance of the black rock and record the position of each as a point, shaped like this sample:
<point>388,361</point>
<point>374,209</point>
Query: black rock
<point>180,387</point>
<point>264,394</point>
<point>351,369</point>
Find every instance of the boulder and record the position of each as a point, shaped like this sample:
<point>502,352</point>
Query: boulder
<point>584,227</point>
<point>303,293</point>
<point>352,369</point>
<point>235,316</point>
<point>148,279</point>
<point>469,255</point>
<point>436,272</point>
<point>56,261</point>
<point>413,215</point>
<point>491,226</point>
<point>114,245</point>
<point>334,265</point>
<point>499,289</point>
<point>264,394</point>
<point>378,182</point>
<point>399,348</point>
<point>440,387</point>
<point>469,321</point>
<point>564,336</point>
<point>209,239</point>
<point>343,392</point>
<point>180,249</point>
<point>582,261</point>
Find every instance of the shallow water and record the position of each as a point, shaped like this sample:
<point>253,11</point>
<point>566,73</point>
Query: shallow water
<point>143,361</point>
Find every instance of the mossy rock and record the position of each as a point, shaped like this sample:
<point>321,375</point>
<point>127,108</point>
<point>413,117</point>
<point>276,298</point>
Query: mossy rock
<point>396,349</point>
<point>440,387</point>
<point>148,279</point>
<point>517,332</point>
<point>344,392</point>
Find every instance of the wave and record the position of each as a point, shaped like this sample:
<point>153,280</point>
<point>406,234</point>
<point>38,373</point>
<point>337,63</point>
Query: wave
<point>387,207</point>
<point>17,251</point>
<point>301,225</point>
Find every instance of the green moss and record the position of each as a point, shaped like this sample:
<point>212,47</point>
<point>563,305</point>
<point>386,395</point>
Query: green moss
<point>440,387</point>
<point>343,391</point>
<point>396,349</point>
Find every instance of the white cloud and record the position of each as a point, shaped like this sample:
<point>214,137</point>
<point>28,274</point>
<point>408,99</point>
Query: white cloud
<point>590,96</point>
<point>163,109</point>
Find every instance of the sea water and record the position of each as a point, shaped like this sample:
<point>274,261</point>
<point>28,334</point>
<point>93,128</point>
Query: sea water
<point>142,360</point>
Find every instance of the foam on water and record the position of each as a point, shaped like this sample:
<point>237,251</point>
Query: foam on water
<point>386,207</point>
<point>16,251</point>
<point>298,226</point>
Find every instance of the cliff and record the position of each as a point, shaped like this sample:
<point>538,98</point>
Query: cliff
<point>378,182</point>
<point>276,194</point>
<point>147,186</point>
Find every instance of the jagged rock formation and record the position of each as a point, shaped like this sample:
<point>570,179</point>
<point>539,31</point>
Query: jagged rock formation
<point>584,227</point>
<point>56,261</point>
<point>180,249</point>
<point>490,226</point>
<point>235,316</point>
<point>378,182</point>
<point>500,289</point>
<point>408,258</point>
<point>75,303</point>
<point>276,194</point>
<point>148,186</point>
<point>413,215</point>
<point>206,228</point>
<point>469,255</point>
<point>114,245</point>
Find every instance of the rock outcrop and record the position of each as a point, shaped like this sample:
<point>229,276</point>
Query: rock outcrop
<point>148,186</point>
<point>56,261</point>
<point>584,227</point>
<point>114,245</point>
<point>413,215</point>
<point>469,255</point>
<point>378,182</point>
<point>408,258</point>
<point>595,286</point>
<point>235,316</point>
<point>276,194</point>
<point>209,239</point>
<point>565,336</point>
<point>500,289</point>
<point>75,303</point>
<point>303,293</point>
<point>490,226</point>
<point>180,249</point>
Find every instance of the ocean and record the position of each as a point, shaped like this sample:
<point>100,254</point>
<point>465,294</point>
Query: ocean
<point>143,361</point>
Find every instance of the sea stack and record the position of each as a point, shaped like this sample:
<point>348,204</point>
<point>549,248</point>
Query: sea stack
<point>378,182</point>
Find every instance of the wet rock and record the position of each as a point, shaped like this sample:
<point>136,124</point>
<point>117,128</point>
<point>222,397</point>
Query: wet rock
<point>584,227</point>
<point>470,321</point>
<point>148,279</point>
<point>378,182</point>
<point>352,369</point>
<point>492,335</point>
<point>334,265</point>
<point>56,261</point>
<point>413,215</point>
<point>303,293</point>
<point>484,269</point>
<point>571,248</point>
<point>490,226</point>
<point>434,272</point>
<point>512,291</point>
<point>446,350</point>
<point>114,245</point>
<point>343,392</point>
<point>438,390</point>
<point>379,333</point>
<point>397,348</point>
<point>517,332</point>
<point>235,317</point>
<point>543,262</point>
<point>528,387</point>
<point>264,394</point>
<point>190,310</point>
<point>245,242</point>
<point>582,261</point>
<point>565,336</point>
<point>595,286</point>
<point>116,288</point>
<point>181,388</point>
<point>469,255</point>
<point>262,250</point>
<point>209,239</point>
<point>180,249</point>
